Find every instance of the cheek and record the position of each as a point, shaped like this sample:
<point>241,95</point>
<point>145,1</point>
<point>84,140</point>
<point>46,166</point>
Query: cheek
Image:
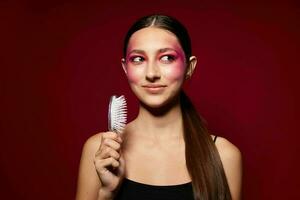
<point>174,73</point>
<point>134,75</point>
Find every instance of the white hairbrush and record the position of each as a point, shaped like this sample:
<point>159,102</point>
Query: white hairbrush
<point>117,114</point>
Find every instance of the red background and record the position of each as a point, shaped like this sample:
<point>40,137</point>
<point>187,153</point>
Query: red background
<point>60,62</point>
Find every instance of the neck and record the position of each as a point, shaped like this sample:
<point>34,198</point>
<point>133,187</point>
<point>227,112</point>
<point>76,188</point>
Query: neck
<point>160,124</point>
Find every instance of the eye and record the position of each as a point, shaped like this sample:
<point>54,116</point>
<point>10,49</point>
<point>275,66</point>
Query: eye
<point>167,58</point>
<point>136,59</point>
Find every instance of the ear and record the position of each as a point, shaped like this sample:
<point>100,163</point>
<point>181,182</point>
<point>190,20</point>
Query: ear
<point>191,67</point>
<point>124,65</point>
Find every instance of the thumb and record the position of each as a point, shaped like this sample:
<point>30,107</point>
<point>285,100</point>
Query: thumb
<point>121,168</point>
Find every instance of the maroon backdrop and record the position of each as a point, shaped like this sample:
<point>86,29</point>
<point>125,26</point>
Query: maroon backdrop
<point>60,62</point>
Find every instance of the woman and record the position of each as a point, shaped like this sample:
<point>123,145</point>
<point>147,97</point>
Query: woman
<point>166,152</point>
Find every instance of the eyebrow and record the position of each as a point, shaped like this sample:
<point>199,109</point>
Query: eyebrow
<point>136,51</point>
<point>166,49</point>
<point>160,50</point>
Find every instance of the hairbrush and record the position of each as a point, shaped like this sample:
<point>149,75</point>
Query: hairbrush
<point>117,114</point>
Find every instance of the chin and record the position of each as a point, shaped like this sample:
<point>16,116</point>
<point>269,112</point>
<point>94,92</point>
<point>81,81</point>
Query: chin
<point>154,101</point>
<point>152,104</point>
<point>157,101</point>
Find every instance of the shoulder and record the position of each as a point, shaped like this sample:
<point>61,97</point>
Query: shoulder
<point>92,144</point>
<point>231,158</point>
<point>94,139</point>
<point>227,150</point>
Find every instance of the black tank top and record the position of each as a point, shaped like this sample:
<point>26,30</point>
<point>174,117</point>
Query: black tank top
<point>131,190</point>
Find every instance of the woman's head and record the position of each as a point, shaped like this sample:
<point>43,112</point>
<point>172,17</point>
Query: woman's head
<point>157,59</point>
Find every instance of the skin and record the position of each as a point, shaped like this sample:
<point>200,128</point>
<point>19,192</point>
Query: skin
<point>159,63</point>
<point>156,68</point>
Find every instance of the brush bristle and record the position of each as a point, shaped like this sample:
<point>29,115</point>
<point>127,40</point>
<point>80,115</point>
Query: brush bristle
<point>117,114</point>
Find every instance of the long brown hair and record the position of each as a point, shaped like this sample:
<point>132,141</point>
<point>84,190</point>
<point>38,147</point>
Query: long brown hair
<point>202,158</point>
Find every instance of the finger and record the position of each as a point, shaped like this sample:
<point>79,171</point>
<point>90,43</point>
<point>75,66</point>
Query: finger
<point>102,165</point>
<point>108,152</point>
<point>121,169</point>
<point>111,143</point>
<point>112,135</point>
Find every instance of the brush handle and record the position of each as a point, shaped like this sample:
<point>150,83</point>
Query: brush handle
<point>112,98</point>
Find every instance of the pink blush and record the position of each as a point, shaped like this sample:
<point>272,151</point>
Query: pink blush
<point>174,72</point>
<point>134,75</point>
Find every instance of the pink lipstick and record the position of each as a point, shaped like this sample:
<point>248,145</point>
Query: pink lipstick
<point>154,88</point>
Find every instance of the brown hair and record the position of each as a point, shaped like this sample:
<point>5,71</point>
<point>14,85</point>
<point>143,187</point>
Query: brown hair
<point>202,157</point>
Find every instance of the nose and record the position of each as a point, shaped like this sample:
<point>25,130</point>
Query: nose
<point>152,71</point>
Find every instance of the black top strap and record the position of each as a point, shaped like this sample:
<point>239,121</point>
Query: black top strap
<point>215,138</point>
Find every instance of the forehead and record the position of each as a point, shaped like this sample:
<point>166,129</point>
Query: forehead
<point>153,38</point>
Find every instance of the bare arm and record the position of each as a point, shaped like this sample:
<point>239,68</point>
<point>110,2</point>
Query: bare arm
<point>100,153</point>
<point>232,162</point>
<point>88,181</point>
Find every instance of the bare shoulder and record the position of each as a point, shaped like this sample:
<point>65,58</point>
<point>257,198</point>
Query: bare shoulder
<point>92,144</point>
<point>94,139</point>
<point>227,150</point>
<point>231,158</point>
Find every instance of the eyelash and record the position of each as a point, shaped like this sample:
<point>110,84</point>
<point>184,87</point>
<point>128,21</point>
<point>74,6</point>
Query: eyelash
<point>170,59</point>
<point>132,59</point>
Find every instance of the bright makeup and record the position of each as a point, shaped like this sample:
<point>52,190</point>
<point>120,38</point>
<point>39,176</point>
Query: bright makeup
<point>155,65</point>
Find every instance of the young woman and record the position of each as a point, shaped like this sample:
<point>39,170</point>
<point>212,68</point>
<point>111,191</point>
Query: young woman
<point>166,152</point>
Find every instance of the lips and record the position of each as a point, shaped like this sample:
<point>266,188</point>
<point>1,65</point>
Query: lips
<point>154,88</point>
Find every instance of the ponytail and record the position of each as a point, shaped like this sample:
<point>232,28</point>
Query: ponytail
<point>202,157</point>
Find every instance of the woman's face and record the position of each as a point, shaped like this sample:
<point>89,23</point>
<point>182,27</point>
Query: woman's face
<point>155,66</point>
